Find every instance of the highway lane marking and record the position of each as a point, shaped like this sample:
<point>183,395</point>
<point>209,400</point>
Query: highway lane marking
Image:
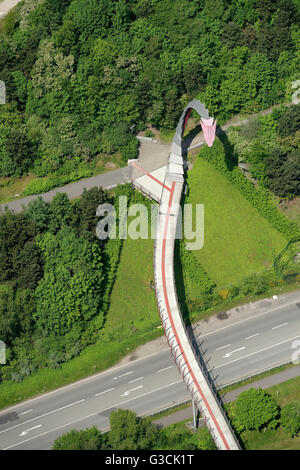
<point>135,380</point>
<point>166,368</point>
<point>31,429</point>
<point>232,352</point>
<point>226,345</point>
<point>93,414</point>
<point>279,326</point>
<point>255,352</point>
<point>105,391</point>
<point>80,382</point>
<point>123,375</point>
<point>41,416</point>
<point>125,394</point>
<point>25,412</point>
<point>109,371</point>
<point>249,318</point>
<point>252,336</point>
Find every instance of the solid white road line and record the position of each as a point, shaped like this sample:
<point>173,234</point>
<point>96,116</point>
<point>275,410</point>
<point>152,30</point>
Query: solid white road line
<point>166,368</point>
<point>92,414</point>
<point>135,380</point>
<point>105,391</point>
<point>222,347</point>
<point>41,416</point>
<point>279,326</point>
<point>252,336</point>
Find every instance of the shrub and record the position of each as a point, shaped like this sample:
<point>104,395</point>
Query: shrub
<point>255,409</point>
<point>290,418</point>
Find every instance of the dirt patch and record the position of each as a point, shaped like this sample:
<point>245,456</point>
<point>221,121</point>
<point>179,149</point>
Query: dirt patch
<point>222,316</point>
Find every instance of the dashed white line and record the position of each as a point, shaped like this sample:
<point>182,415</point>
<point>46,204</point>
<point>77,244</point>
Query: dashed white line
<point>255,352</point>
<point>231,352</point>
<point>279,326</point>
<point>166,368</point>
<point>25,412</point>
<point>135,380</point>
<point>91,414</point>
<point>127,373</point>
<point>129,391</point>
<point>105,391</point>
<point>31,429</point>
<point>226,345</point>
<point>41,416</point>
<point>252,336</point>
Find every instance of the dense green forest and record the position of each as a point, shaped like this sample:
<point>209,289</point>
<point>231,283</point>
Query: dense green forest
<point>83,76</point>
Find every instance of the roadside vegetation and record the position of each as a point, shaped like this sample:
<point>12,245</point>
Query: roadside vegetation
<point>129,432</point>
<point>262,419</point>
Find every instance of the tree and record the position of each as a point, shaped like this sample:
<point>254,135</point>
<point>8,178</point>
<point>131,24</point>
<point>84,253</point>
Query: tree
<point>88,439</point>
<point>127,431</point>
<point>290,418</point>
<point>15,232</point>
<point>70,291</point>
<point>289,121</point>
<point>60,212</point>
<point>255,409</point>
<point>84,219</point>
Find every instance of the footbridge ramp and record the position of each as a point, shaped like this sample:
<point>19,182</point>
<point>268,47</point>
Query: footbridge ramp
<point>186,356</point>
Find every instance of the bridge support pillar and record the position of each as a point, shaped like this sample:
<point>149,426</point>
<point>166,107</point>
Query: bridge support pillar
<point>195,414</point>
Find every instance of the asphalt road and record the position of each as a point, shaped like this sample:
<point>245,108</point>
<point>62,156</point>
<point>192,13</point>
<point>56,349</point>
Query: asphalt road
<point>245,345</point>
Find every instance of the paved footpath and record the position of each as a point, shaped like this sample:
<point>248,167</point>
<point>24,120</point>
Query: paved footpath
<point>6,6</point>
<point>187,413</point>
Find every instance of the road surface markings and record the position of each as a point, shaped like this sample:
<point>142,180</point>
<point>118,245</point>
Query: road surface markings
<point>135,380</point>
<point>87,379</point>
<point>105,391</point>
<point>166,368</point>
<point>41,416</point>
<point>255,352</point>
<point>92,414</point>
<point>125,394</point>
<point>226,345</point>
<point>252,336</point>
<point>279,326</point>
<point>31,429</point>
<point>25,412</point>
<point>231,352</point>
<point>123,375</point>
<point>249,318</point>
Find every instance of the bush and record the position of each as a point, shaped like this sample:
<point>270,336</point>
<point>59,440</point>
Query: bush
<point>255,409</point>
<point>290,418</point>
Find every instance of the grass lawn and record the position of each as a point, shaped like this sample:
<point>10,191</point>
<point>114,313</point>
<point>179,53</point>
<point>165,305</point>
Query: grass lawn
<point>133,307</point>
<point>237,239</point>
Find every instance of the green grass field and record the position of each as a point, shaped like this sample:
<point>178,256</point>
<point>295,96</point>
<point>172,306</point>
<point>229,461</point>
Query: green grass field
<point>237,239</point>
<point>133,307</point>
